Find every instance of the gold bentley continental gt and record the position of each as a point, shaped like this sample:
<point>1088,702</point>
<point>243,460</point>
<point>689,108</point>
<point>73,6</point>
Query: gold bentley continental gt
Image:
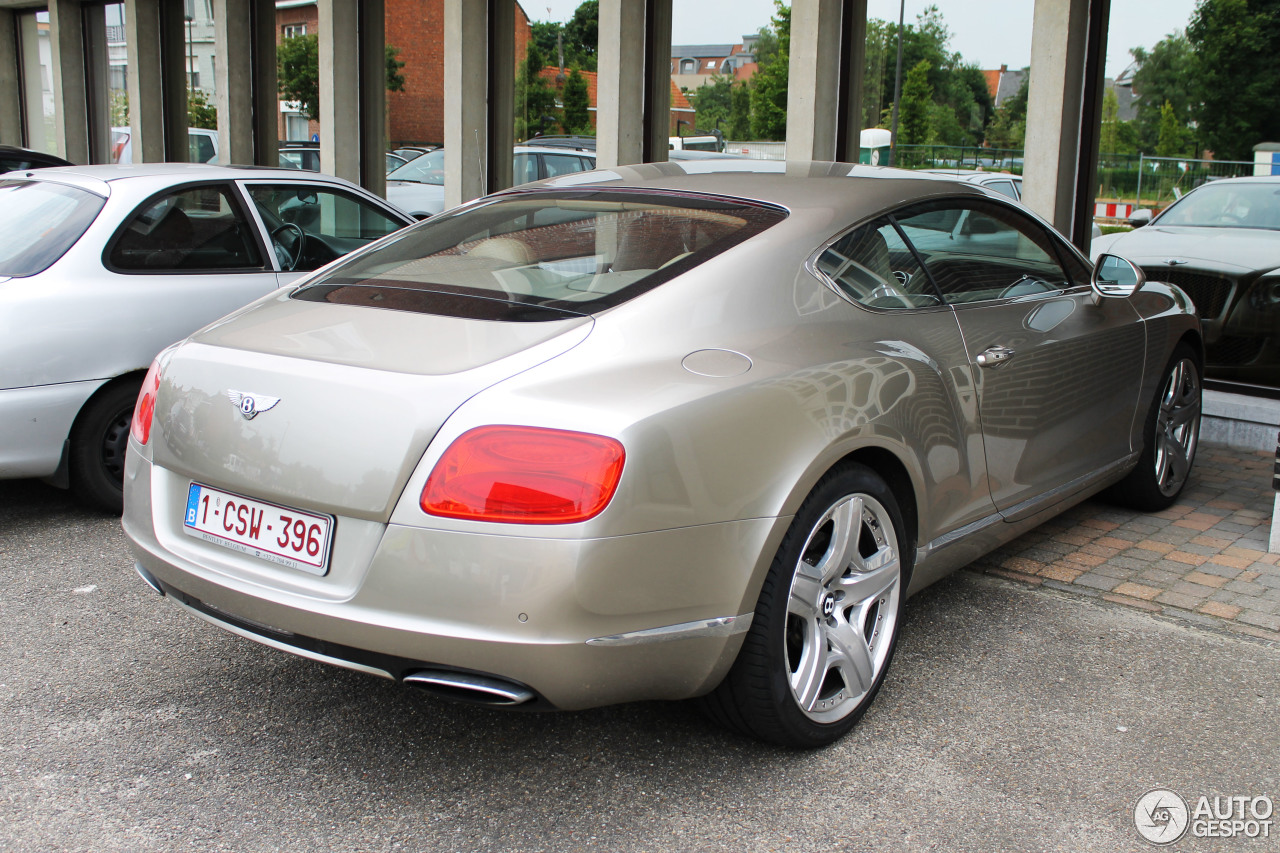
<point>657,432</point>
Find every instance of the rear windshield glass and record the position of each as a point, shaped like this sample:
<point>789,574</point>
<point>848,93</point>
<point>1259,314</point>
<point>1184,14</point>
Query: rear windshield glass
<point>40,222</point>
<point>541,255</point>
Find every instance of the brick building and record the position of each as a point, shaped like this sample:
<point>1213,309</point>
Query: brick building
<point>416,27</point>
<point>681,109</point>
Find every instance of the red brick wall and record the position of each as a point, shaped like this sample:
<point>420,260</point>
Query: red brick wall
<point>416,27</point>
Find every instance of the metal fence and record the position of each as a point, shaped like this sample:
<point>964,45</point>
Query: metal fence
<point>1157,182</point>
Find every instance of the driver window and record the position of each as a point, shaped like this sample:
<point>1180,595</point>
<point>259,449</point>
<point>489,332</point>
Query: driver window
<point>311,225</point>
<point>992,252</point>
<point>874,267</point>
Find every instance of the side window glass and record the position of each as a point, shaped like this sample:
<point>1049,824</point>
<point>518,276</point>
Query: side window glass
<point>200,147</point>
<point>525,169</point>
<point>561,164</point>
<point>310,226</point>
<point>1002,187</point>
<point>874,267</point>
<point>199,228</point>
<point>992,253</point>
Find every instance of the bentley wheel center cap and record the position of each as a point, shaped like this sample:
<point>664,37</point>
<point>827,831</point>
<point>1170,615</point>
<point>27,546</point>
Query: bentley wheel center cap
<point>828,604</point>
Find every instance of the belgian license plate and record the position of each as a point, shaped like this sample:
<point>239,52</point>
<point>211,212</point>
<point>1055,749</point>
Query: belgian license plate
<point>288,537</point>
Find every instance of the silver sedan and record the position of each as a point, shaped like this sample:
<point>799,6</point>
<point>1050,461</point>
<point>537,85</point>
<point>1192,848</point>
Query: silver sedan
<point>101,267</point>
<point>659,432</point>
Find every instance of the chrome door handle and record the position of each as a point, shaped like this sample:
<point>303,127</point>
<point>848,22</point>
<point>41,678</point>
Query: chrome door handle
<point>994,356</point>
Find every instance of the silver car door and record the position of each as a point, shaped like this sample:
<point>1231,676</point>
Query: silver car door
<point>1057,375</point>
<point>190,255</point>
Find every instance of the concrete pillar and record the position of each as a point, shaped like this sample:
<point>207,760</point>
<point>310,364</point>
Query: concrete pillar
<point>339,89</point>
<point>10,80</point>
<point>372,48</point>
<point>146,112</point>
<point>233,79</point>
<point>657,81</point>
<point>466,90</point>
<point>70,101</point>
<point>620,84</point>
<point>824,91</point>
<point>97,94</point>
<point>266,96</point>
<point>502,93</point>
<point>1055,105</point>
<point>173,81</point>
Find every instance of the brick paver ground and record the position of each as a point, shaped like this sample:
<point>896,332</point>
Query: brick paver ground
<point>1204,559</point>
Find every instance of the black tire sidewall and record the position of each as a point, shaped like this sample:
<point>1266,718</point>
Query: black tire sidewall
<point>91,482</point>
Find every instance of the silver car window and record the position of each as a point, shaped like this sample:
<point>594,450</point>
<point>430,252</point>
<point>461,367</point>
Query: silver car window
<point>993,252</point>
<point>311,225</point>
<point>40,221</point>
<point>192,228</point>
<point>575,252</point>
<point>873,266</point>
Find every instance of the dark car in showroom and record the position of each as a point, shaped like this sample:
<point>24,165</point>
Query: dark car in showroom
<point>1220,243</point>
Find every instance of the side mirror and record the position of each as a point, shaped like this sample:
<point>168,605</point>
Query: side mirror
<point>1116,277</point>
<point>1140,217</point>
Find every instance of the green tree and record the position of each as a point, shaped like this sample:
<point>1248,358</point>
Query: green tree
<point>582,35</point>
<point>535,99</point>
<point>1166,75</point>
<point>769,84</point>
<point>201,113</point>
<point>298,72</point>
<point>713,102</point>
<point>914,114</point>
<point>739,112</point>
<point>1236,74</point>
<point>1172,138</point>
<point>577,104</point>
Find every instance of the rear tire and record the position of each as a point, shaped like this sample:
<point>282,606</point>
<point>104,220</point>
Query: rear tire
<point>1170,437</point>
<point>826,622</point>
<point>98,444</point>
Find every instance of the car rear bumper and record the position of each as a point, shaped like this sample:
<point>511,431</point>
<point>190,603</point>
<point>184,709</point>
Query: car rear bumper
<point>579,623</point>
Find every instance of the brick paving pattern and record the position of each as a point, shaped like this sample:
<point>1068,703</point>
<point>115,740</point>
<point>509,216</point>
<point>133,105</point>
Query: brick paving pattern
<point>1204,559</point>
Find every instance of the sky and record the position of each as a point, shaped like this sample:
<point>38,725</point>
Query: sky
<point>989,33</point>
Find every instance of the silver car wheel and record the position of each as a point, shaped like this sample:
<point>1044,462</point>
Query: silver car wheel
<point>1177,426</point>
<point>842,608</point>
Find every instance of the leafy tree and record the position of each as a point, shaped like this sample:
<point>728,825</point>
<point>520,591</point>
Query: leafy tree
<point>298,72</point>
<point>535,99</point>
<point>118,107</point>
<point>1172,138</point>
<point>914,113</point>
<point>713,102</point>
<point>577,104</point>
<point>1166,75</point>
<point>1236,74</point>
<point>739,112</point>
<point>769,84</point>
<point>582,35</point>
<point>201,113</point>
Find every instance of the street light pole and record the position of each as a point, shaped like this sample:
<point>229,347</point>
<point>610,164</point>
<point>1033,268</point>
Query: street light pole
<point>897,87</point>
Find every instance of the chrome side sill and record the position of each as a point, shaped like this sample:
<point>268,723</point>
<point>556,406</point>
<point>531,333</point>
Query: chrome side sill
<point>284,647</point>
<point>725,626</point>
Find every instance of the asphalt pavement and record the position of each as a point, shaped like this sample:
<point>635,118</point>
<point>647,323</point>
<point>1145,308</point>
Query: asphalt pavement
<point>1015,717</point>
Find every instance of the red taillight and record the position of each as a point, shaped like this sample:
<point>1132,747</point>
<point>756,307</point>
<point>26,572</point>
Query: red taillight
<point>140,428</point>
<point>526,475</point>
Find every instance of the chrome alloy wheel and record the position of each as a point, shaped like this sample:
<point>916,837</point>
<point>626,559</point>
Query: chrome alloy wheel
<point>1177,426</point>
<point>842,608</point>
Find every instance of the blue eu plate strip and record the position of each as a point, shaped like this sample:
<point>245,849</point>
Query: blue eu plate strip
<point>193,503</point>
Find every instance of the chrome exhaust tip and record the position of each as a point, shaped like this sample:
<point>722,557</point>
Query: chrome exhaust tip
<point>465,687</point>
<point>148,577</point>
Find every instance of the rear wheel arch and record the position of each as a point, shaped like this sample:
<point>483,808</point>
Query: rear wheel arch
<point>91,468</point>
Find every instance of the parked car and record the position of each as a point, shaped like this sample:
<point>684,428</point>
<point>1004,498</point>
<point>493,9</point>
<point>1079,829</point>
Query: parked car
<point>1001,182</point>
<point>418,186</point>
<point>1218,243</point>
<point>305,156</point>
<point>14,159</point>
<point>202,145</point>
<point>642,435</point>
<point>410,152</point>
<point>104,266</point>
